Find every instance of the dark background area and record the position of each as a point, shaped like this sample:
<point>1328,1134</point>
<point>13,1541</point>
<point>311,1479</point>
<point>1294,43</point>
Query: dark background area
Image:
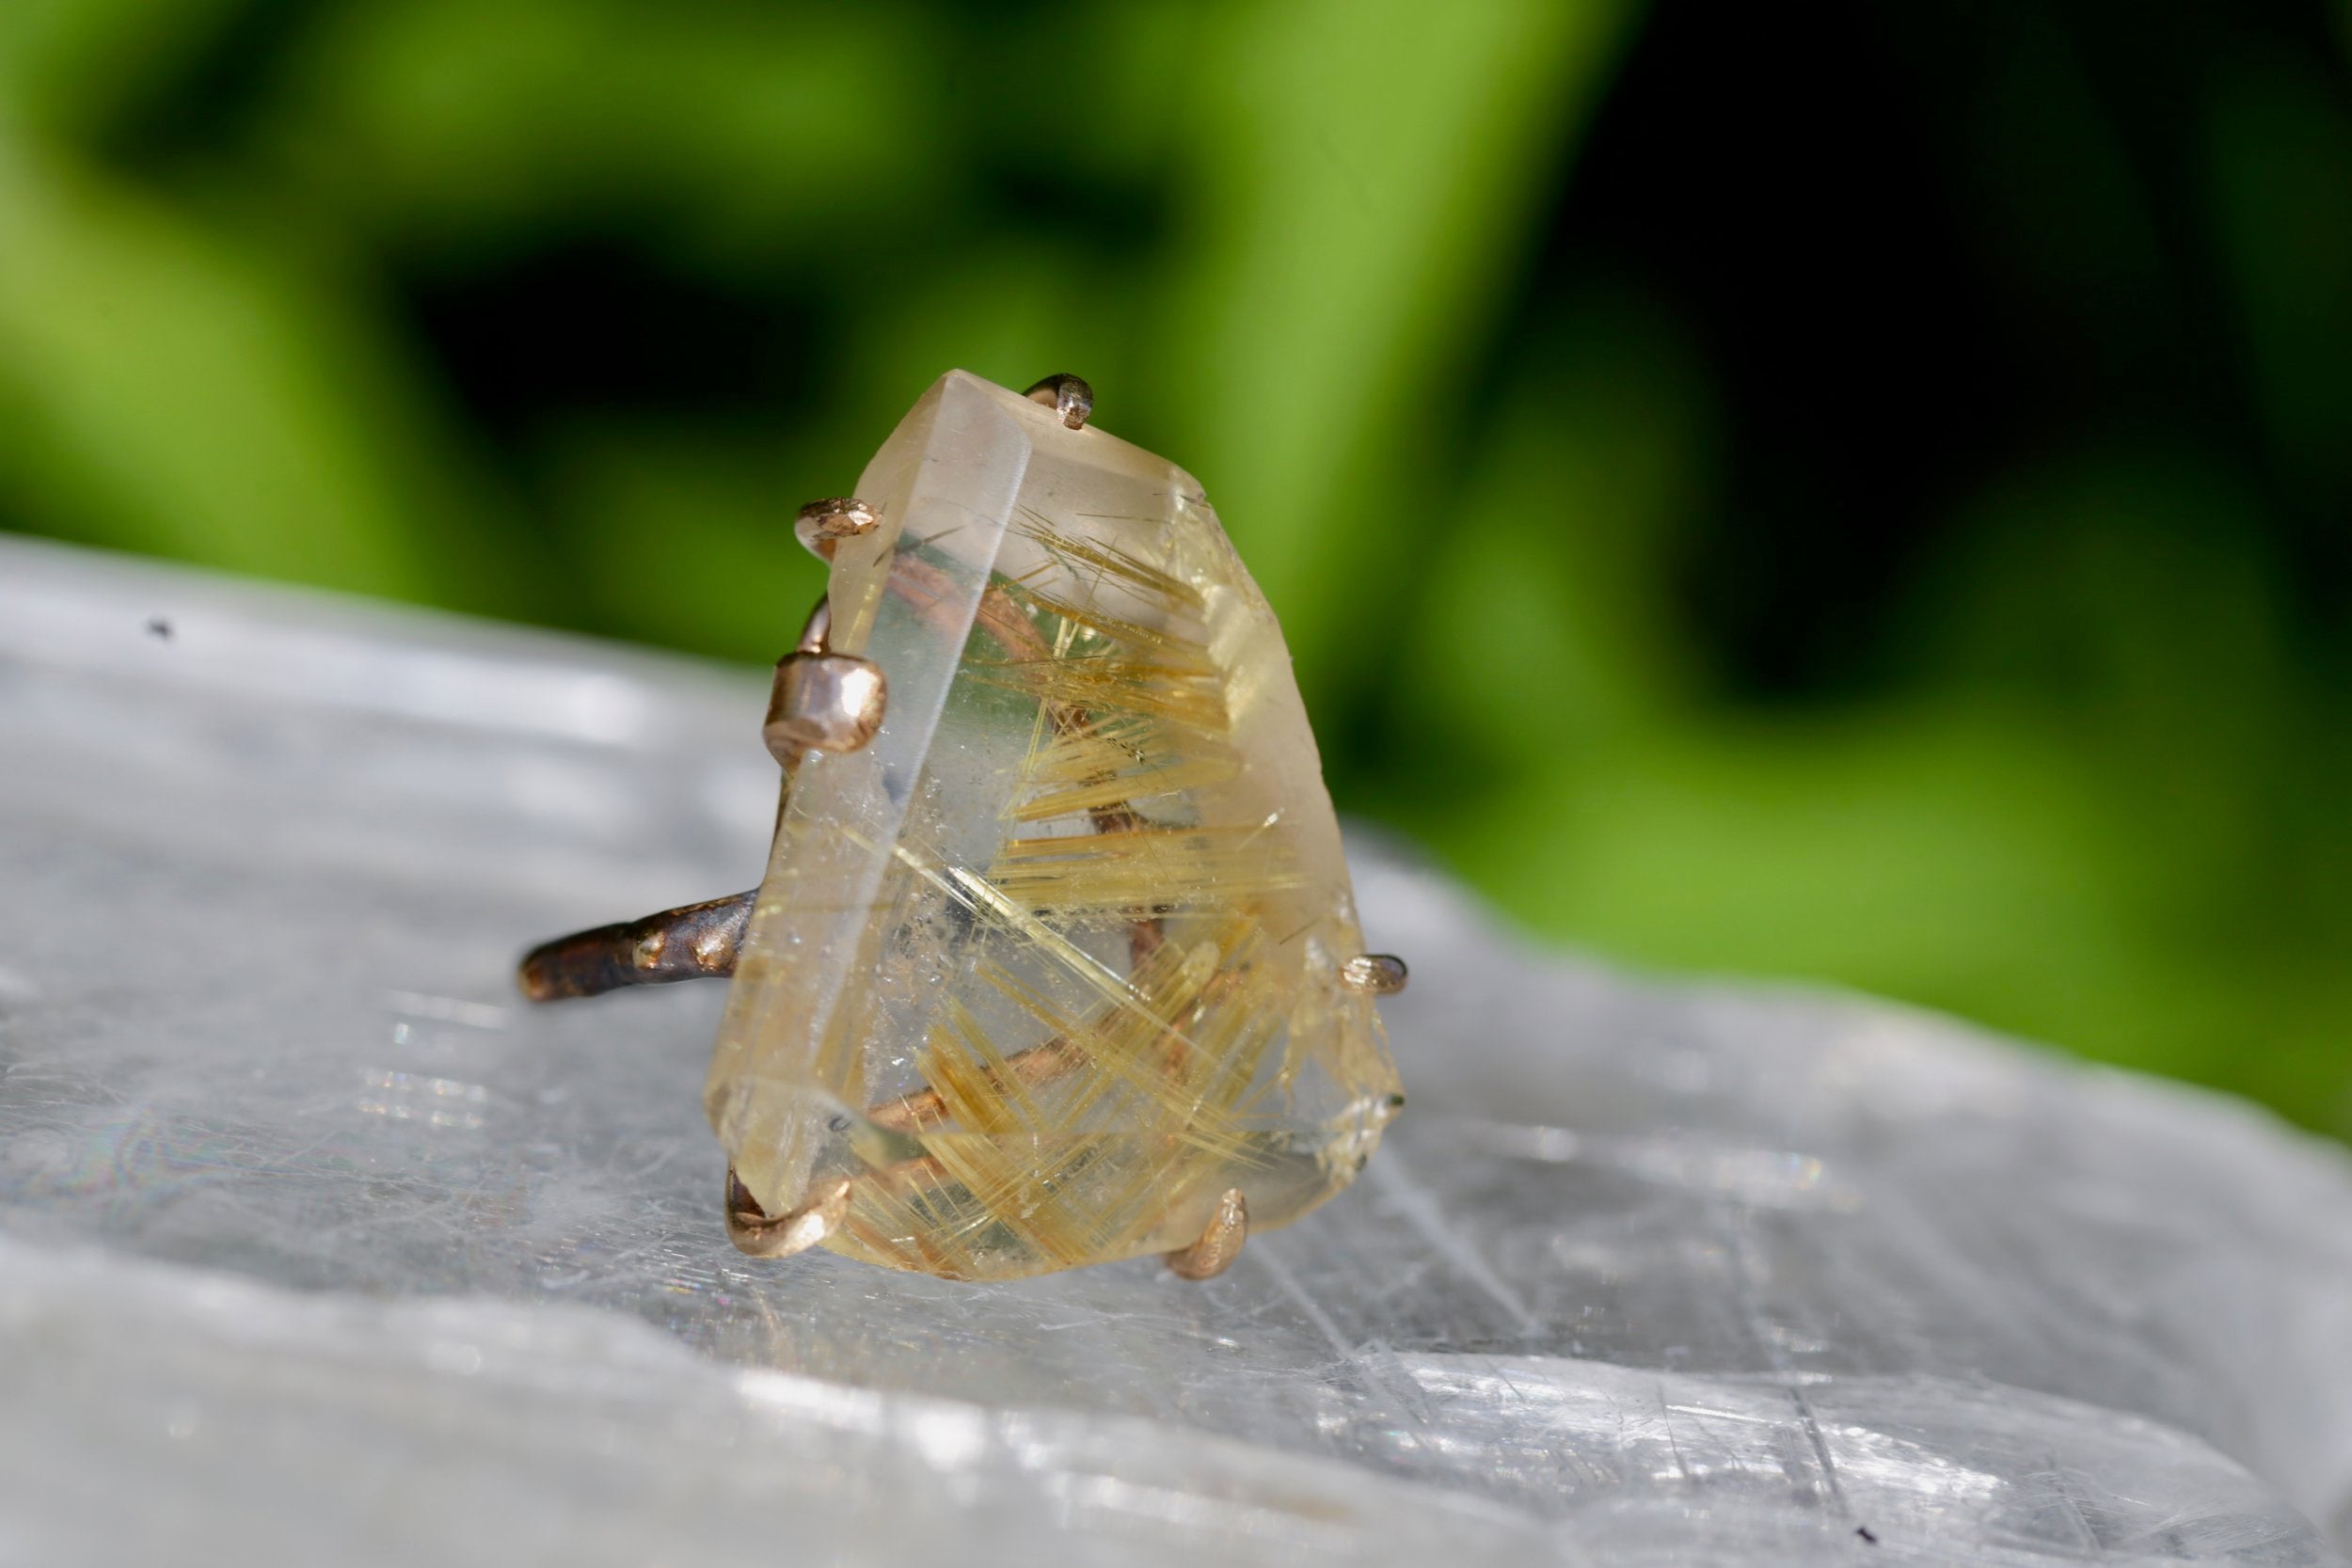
<point>1857,493</point>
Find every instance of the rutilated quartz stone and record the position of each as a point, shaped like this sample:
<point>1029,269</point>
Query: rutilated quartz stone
<point>1055,959</point>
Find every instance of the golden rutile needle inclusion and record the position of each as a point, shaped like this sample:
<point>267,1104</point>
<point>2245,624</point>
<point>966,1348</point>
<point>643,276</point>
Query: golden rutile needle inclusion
<point>1055,961</point>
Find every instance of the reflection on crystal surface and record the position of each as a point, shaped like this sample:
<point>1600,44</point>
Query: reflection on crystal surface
<point>317,1246</point>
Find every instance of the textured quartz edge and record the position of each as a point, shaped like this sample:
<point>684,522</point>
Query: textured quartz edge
<point>467,1430</point>
<point>480,1431</point>
<point>2286,1248</point>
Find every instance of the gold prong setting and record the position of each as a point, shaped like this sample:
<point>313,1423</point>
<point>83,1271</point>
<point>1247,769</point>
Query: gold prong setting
<point>1220,1240</point>
<point>822,701</point>
<point>1374,973</point>
<point>822,524</point>
<point>759,1234</point>
<point>1066,395</point>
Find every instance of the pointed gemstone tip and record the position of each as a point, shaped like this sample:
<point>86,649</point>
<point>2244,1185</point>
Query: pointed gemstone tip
<point>1060,958</point>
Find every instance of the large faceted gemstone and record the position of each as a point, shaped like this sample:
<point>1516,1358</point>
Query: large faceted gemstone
<point>1055,961</point>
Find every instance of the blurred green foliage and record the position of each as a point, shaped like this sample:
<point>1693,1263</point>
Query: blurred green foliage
<point>1859,494</point>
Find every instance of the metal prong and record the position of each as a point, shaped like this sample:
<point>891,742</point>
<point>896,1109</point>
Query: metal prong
<point>1066,395</point>
<point>755,1232</point>
<point>1374,973</point>
<point>822,701</point>
<point>1220,1240</point>
<point>824,524</point>
<point>817,632</point>
<point>676,944</point>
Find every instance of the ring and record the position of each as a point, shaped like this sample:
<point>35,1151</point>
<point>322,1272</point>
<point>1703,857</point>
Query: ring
<point>1055,959</point>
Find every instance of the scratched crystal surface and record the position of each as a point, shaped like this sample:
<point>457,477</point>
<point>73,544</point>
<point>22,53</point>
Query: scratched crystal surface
<point>1055,961</point>
<point>315,1247</point>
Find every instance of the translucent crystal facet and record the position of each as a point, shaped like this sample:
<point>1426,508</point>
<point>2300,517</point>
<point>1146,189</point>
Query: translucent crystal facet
<point>1057,960</point>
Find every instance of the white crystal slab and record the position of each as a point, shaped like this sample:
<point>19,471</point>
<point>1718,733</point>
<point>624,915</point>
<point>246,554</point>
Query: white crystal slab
<point>316,1245</point>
